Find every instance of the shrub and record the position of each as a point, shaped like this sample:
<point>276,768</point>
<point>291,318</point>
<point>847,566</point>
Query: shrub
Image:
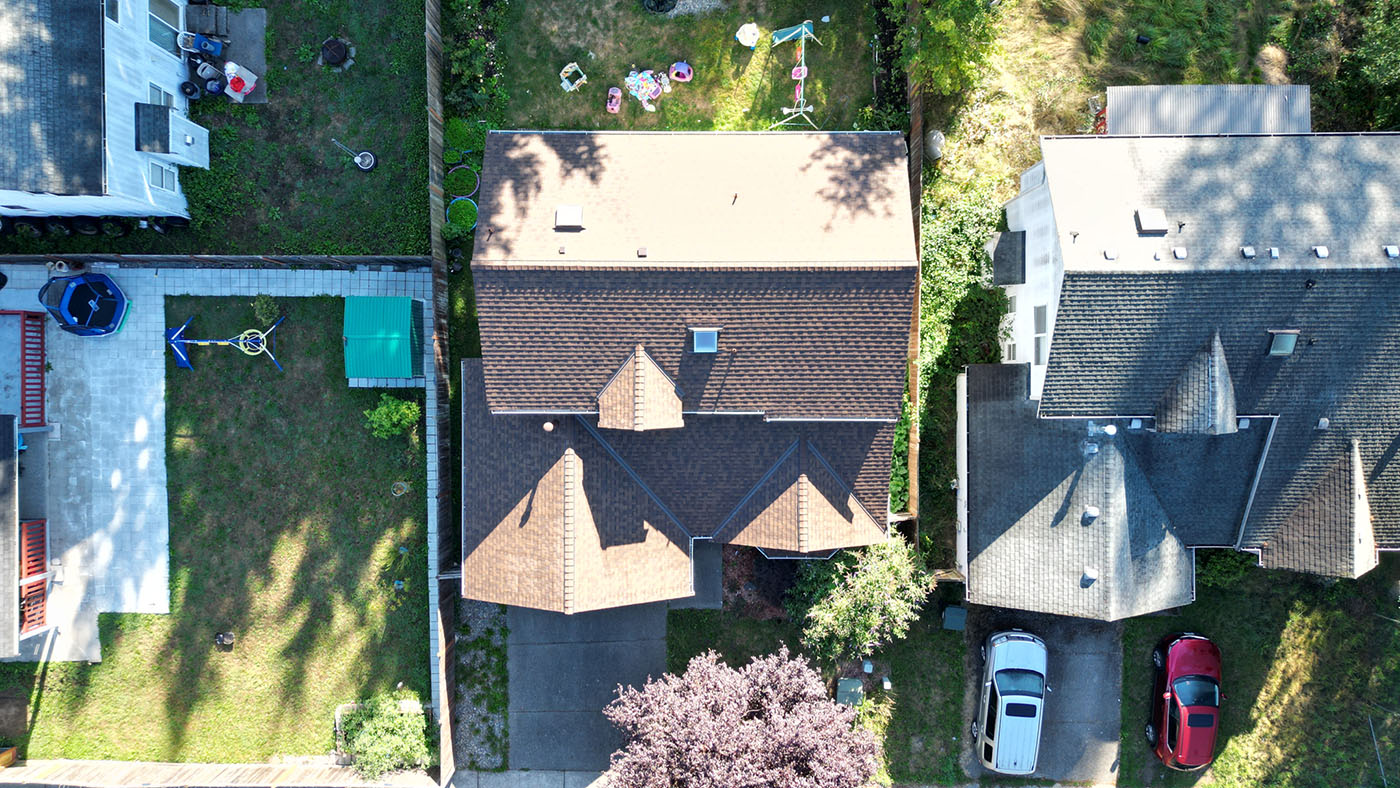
<point>1223,568</point>
<point>859,601</point>
<point>1379,58</point>
<point>899,462</point>
<point>392,417</point>
<point>472,61</point>
<point>769,723</point>
<point>383,739</point>
<point>266,310</point>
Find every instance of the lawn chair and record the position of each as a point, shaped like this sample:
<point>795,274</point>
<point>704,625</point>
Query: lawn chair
<point>614,99</point>
<point>567,79</point>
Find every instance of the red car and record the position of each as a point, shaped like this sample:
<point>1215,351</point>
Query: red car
<point>1185,701</point>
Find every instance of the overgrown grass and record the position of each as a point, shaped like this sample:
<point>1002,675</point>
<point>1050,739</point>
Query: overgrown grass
<point>482,678</point>
<point>283,530</point>
<point>1306,662</point>
<point>733,88</point>
<point>275,183</point>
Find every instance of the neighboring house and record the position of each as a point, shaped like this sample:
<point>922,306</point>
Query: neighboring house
<point>1200,353</point>
<point>696,336</point>
<point>91,115</point>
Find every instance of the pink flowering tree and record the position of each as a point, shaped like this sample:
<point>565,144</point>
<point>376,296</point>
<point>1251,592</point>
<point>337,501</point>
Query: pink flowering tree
<point>769,723</point>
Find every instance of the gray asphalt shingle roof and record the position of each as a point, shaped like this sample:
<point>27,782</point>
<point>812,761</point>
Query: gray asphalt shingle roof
<point>51,85</point>
<point>1031,543</point>
<point>1121,338</point>
<point>1209,109</point>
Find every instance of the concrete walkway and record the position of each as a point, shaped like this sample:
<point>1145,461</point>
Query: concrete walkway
<point>565,669</point>
<point>527,779</point>
<point>109,521</point>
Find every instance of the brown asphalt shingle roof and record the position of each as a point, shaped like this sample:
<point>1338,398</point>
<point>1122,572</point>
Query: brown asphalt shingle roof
<point>709,198</point>
<point>641,396</point>
<point>815,343</point>
<point>643,494</point>
<point>553,521</point>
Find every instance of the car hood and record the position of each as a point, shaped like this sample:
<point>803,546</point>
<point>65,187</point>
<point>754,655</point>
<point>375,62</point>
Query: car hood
<point>1193,657</point>
<point>1025,654</point>
<point>1198,741</point>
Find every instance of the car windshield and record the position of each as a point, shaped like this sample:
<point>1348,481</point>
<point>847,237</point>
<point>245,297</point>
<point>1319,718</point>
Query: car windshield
<point>1015,681</point>
<point>1197,691</point>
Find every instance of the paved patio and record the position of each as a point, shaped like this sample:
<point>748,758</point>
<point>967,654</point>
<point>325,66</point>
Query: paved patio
<point>108,516</point>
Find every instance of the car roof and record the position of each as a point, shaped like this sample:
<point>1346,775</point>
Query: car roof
<point>1197,743</point>
<point>1018,738</point>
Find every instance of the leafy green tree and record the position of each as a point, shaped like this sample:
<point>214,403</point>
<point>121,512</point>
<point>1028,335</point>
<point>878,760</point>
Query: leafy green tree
<point>946,43</point>
<point>860,600</point>
<point>1379,55</point>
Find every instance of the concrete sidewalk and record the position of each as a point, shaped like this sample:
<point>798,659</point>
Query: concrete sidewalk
<point>527,779</point>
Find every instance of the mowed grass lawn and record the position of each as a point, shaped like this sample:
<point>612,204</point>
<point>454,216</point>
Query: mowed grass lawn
<point>275,183</point>
<point>1305,663</point>
<point>734,88</point>
<point>283,529</point>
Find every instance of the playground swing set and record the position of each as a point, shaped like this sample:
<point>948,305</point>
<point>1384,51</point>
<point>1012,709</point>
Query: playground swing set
<point>800,108</point>
<point>252,342</point>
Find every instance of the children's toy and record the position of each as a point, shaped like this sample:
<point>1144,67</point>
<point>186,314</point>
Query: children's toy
<point>645,86</point>
<point>252,342</point>
<point>614,99</point>
<point>665,82</point>
<point>748,35</point>
<point>571,78</point>
<point>682,72</point>
<point>799,109</point>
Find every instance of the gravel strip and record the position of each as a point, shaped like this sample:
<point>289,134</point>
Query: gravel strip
<point>479,737</point>
<point>694,7</point>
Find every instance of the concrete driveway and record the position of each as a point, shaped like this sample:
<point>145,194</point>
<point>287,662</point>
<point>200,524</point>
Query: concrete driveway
<point>1079,737</point>
<point>565,669</point>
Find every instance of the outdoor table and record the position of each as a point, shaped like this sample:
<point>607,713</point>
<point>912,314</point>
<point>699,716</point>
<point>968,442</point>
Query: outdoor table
<point>249,81</point>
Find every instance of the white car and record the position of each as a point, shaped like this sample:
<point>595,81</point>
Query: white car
<point>1006,732</point>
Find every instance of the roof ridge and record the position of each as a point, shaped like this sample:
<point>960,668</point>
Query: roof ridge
<point>804,514</point>
<point>772,469</point>
<point>639,388</point>
<point>632,473</point>
<point>570,522</point>
<point>811,447</point>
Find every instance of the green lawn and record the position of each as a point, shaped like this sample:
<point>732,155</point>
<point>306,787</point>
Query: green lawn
<point>283,530</point>
<point>1305,663</point>
<point>276,184</point>
<point>733,88</point>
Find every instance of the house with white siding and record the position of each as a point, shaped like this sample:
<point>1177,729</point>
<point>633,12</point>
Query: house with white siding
<point>92,120</point>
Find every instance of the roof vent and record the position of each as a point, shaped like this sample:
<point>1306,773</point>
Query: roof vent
<point>1321,252</point>
<point>1110,430</point>
<point>1323,423</point>
<point>1110,254</point>
<point>1244,424</point>
<point>1135,424</point>
<point>1392,251</point>
<point>1091,513</point>
<point>1090,575</point>
<point>1151,220</point>
<point>1273,252</point>
<point>706,340</point>
<point>641,251</point>
<point>1090,448</point>
<point>1247,252</point>
<point>568,217</point>
<point>1179,252</point>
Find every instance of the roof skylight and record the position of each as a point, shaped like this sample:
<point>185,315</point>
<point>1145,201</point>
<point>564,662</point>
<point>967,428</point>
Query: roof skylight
<point>706,340</point>
<point>1282,343</point>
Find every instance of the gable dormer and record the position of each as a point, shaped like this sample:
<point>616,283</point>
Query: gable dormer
<point>640,396</point>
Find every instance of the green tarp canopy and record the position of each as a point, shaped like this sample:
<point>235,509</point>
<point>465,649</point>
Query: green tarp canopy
<point>383,337</point>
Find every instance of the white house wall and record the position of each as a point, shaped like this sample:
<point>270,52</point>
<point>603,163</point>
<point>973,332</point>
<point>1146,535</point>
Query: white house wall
<point>1031,212</point>
<point>131,64</point>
